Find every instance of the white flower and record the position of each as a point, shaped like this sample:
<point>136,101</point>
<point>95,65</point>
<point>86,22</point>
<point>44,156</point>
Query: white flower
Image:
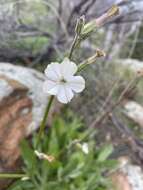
<point>61,81</point>
<point>85,148</point>
<point>25,178</point>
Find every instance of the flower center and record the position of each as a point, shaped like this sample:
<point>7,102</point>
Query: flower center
<point>63,81</point>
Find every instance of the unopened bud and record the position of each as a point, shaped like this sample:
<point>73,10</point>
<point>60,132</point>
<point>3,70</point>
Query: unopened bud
<point>93,24</point>
<point>114,10</point>
<point>43,156</point>
<point>100,53</point>
<point>89,27</point>
<point>80,25</point>
<point>92,59</point>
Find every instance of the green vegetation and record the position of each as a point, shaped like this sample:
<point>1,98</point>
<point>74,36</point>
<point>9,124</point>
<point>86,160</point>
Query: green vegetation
<point>137,54</point>
<point>33,44</point>
<point>72,168</point>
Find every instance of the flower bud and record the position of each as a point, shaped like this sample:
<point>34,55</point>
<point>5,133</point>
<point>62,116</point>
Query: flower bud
<point>99,53</point>
<point>92,25</point>
<point>43,156</point>
<point>92,59</point>
<point>79,25</point>
<point>113,11</point>
<point>89,27</point>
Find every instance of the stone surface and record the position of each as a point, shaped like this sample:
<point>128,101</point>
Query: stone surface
<point>32,80</point>
<point>134,175</point>
<point>22,105</point>
<point>133,64</point>
<point>134,111</point>
<point>128,177</point>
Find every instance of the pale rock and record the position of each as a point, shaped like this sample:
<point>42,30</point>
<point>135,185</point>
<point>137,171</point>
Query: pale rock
<point>33,80</point>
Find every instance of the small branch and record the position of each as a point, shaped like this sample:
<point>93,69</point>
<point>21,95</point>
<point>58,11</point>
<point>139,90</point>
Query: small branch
<point>10,175</point>
<point>134,142</point>
<point>104,114</point>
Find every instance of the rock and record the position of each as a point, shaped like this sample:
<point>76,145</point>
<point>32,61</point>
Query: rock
<point>128,177</point>
<point>134,111</point>
<point>22,105</point>
<point>133,64</point>
<point>134,175</point>
<point>29,82</point>
<point>121,182</point>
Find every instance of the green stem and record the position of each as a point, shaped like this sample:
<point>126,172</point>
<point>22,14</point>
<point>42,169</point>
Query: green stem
<point>82,66</point>
<point>73,46</point>
<point>87,62</point>
<point>43,124</point>
<point>10,175</point>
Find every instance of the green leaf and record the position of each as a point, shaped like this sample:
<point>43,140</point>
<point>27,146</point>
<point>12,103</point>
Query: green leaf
<point>105,153</point>
<point>71,169</point>
<point>28,156</point>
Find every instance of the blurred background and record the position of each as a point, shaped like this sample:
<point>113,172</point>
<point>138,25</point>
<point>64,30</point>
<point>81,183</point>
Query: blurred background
<point>33,33</point>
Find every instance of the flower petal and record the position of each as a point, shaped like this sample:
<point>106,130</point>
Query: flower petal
<point>85,148</point>
<point>53,71</point>
<point>68,68</point>
<point>50,87</point>
<point>64,94</point>
<point>77,83</point>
